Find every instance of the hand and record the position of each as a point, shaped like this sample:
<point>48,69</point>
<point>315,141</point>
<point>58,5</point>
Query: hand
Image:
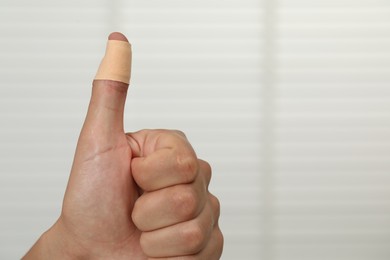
<point>140,195</point>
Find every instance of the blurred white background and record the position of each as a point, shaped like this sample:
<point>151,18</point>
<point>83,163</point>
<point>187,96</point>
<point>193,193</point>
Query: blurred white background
<point>289,100</point>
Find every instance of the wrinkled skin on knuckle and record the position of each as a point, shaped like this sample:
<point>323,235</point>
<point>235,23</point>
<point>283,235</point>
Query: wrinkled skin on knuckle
<point>194,238</point>
<point>185,202</point>
<point>188,166</point>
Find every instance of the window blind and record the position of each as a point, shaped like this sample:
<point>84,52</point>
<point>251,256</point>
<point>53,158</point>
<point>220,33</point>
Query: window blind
<point>332,130</point>
<point>288,101</point>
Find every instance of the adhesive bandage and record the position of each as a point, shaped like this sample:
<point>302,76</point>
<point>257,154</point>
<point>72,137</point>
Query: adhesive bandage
<point>116,64</point>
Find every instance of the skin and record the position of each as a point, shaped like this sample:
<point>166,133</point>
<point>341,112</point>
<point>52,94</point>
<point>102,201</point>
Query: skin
<point>141,195</point>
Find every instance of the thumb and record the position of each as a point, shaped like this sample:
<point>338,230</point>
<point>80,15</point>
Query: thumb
<point>106,108</point>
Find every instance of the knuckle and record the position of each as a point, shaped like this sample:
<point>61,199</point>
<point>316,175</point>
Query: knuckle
<point>207,166</point>
<point>216,206</point>
<point>194,238</point>
<point>220,240</point>
<point>188,166</point>
<point>171,133</point>
<point>185,203</point>
<point>207,171</point>
<point>180,133</point>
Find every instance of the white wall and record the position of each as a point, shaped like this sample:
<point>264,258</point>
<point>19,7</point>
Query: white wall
<point>288,100</point>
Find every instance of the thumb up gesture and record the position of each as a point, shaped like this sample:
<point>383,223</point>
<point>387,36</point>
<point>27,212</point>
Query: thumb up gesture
<point>141,195</point>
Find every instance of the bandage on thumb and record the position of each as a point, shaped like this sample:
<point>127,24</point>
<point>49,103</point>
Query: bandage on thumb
<point>116,64</point>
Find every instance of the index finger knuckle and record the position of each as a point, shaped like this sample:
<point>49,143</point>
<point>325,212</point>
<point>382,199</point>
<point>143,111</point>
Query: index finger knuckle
<point>188,166</point>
